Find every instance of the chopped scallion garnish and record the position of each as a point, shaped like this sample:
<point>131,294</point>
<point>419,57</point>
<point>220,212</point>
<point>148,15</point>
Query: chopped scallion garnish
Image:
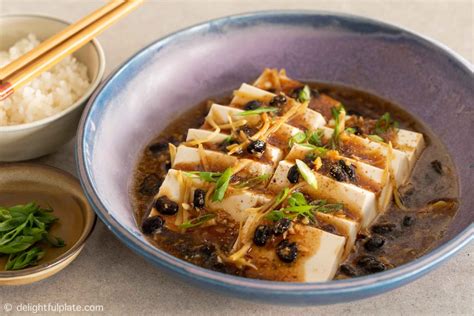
<point>304,94</point>
<point>221,185</point>
<point>375,138</point>
<point>204,175</point>
<point>252,181</point>
<point>350,130</point>
<point>307,174</point>
<point>197,221</point>
<point>384,123</point>
<point>338,113</point>
<point>260,110</point>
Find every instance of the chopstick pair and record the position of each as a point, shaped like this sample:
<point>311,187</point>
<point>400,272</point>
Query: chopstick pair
<point>56,48</point>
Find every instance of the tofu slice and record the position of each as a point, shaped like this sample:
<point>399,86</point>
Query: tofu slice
<point>412,144</point>
<point>347,227</point>
<point>309,120</point>
<point>194,134</point>
<point>399,164</point>
<point>236,202</point>
<point>361,202</point>
<point>271,153</point>
<point>220,115</point>
<point>319,256</point>
<point>375,174</point>
<point>250,93</point>
<point>187,157</point>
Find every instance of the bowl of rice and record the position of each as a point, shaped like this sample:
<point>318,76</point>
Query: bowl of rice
<point>43,115</point>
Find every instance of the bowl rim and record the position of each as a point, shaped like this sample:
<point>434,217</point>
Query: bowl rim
<point>90,90</point>
<point>76,247</point>
<point>372,284</point>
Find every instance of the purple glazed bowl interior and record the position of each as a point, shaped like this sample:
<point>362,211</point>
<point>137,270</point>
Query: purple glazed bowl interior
<point>168,77</point>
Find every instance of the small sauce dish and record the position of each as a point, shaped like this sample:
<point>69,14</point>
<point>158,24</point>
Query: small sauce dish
<point>23,183</point>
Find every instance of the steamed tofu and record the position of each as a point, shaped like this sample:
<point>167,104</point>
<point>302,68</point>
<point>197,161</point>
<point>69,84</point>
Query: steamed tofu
<point>194,134</point>
<point>411,143</point>
<point>319,256</point>
<point>236,202</point>
<point>361,202</point>
<point>188,158</point>
<point>375,174</point>
<point>221,114</point>
<point>399,164</point>
<point>250,93</point>
<point>272,153</point>
<point>347,227</point>
<point>309,120</point>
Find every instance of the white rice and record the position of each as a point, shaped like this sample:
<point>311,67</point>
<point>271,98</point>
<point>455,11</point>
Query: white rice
<point>48,94</point>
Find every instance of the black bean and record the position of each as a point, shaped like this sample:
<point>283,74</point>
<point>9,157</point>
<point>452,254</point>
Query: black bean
<point>152,225</point>
<point>437,166</point>
<point>348,270</point>
<point>287,251</point>
<point>150,184</point>
<point>309,161</point>
<point>256,147</point>
<point>278,101</point>
<point>375,266</point>
<point>353,112</point>
<point>337,173</point>
<point>293,174</point>
<point>364,260</point>
<point>159,147</point>
<point>207,250</point>
<point>349,170</point>
<point>357,130</point>
<point>247,130</point>
<point>261,235</point>
<point>314,93</point>
<point>383,228</point>
<point>408,221</point>
<point>374,243</point>
<point>166,206</point>
<point>199,198</point>
<point>281,226</point>
<point>371,264</point>
<point>329,228</point>
<point>252,105</point>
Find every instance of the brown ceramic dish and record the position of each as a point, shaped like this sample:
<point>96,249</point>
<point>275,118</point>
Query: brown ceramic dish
<point>48,186</point>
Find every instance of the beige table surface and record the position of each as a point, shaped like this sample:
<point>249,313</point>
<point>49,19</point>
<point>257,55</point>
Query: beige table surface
<point>109,274</point>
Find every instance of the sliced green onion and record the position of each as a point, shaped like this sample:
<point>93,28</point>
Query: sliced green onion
<point>304,94</point>
<point>221,185</point>
<point>298,138</point>
<point>307,174</point>
<point>350,130</point>
<point>205,176</point>
<point>258,111</point>
<point>297,199</point>
<point>338,113</point>
<point>315,137</point>
<point>252,181</point>
<point>197,221</point>
<point>375,138</point>
<point>282,196</point>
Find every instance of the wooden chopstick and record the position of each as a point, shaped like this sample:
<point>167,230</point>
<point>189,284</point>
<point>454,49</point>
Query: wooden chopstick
<point>54,55</point>
<point>48,44</point>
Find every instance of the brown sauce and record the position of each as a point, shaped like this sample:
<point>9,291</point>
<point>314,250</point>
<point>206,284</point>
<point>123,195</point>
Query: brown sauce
<point>411,232</point>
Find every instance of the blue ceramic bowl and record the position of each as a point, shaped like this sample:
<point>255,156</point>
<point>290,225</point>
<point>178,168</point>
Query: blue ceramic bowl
<point>174,73</point>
